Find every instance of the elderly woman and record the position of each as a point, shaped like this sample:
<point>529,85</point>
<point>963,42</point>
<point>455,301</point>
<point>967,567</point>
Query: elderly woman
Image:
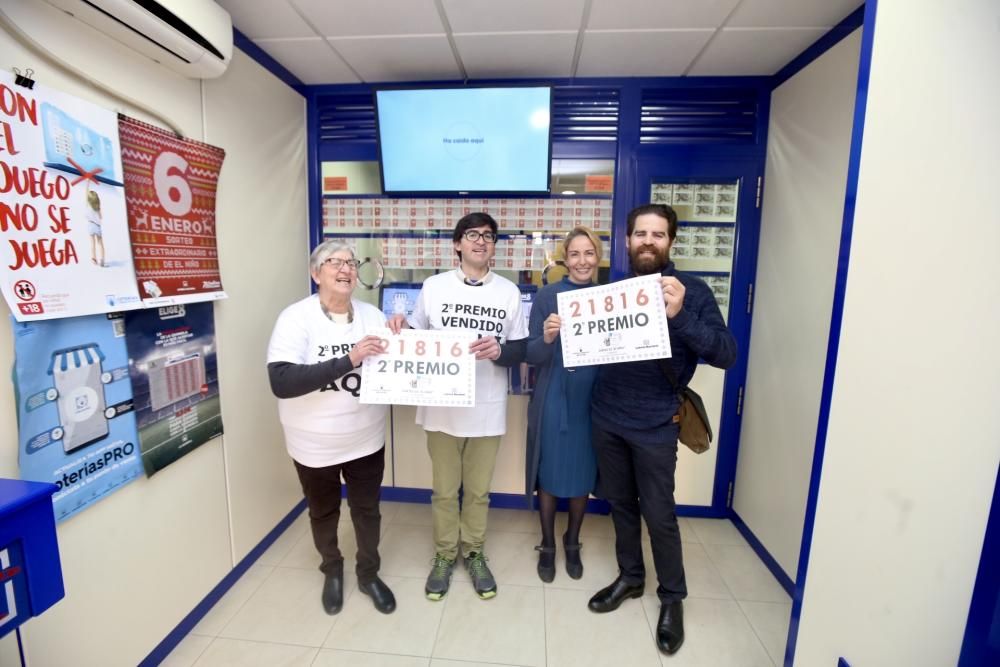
<point>313,362</point>
<point>560,460</point>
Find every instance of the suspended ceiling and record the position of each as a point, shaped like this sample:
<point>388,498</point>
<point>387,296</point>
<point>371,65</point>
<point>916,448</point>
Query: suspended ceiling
<point>353,41</point>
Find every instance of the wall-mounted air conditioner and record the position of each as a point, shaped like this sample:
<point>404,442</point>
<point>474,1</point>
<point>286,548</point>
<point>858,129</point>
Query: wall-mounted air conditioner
<point>191,37</point>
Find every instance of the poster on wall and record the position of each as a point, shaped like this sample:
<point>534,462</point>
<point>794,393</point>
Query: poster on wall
<point>76,425</point>
<point>65,241</point>
<point>170,186</point>
<point>175,380</point>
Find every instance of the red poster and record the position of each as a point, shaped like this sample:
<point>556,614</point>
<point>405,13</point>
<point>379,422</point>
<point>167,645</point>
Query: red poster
<point>598,183</point>
<point>170,186</point>
<point>335,184</point>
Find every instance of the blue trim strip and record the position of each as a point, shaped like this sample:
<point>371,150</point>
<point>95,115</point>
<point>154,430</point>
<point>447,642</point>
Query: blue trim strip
<point>20,646</point>
<point>853,21</point>
<point>836,319</point>
<point>267,62</point>
<point>170,642</point>
<point>314,169</point>
<point>515,501</point>
<point>762,553</point>
<point>981,645</point>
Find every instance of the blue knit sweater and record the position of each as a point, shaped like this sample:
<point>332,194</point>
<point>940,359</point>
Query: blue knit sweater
<point>635,400</point>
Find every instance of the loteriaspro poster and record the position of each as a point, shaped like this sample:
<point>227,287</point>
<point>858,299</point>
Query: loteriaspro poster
<point>175,380</point>
<point>170,186</point>
<point>64,241</point>
<point>76,425</point>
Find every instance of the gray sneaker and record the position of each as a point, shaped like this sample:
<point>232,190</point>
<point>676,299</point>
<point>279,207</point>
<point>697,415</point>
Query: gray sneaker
<point>440,578</point>
<point>482,578</point>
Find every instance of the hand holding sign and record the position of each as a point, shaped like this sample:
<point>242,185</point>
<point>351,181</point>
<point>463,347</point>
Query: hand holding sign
<point>673,295</point>
<point>366,347</point>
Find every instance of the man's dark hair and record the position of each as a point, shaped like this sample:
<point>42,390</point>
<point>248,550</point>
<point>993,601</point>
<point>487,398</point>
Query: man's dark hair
<point>661,210</point>
<point>471,221</point>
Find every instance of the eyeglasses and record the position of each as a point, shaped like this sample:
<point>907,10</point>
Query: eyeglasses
<point>337,263</point>
<point>474,235</point>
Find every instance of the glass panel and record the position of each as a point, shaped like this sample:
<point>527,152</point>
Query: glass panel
<point>350,178</point>
<point>578,177</point>
<point>706,230</point>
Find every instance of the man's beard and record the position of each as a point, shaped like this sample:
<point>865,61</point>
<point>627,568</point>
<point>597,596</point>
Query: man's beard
<point>644,265</point>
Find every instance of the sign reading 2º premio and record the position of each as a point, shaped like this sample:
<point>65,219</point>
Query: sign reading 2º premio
<point>421,367</point>
<point>607,324</point>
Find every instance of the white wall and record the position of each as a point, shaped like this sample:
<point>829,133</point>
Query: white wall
<point>139,560</point>
<point>914,440</point>
<point>808,144</point>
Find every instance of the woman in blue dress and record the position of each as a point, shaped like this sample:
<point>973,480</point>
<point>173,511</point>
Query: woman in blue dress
<point>560,460</point>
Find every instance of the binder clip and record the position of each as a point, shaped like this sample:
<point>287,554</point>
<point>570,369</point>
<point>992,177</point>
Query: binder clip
<point>24,79</point>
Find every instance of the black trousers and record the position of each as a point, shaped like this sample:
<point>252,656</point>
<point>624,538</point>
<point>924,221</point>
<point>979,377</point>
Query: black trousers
<point>637,479</point>
<point>321,487</point>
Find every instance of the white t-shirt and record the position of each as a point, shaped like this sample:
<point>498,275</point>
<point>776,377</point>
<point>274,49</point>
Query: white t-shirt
<point>490,309</point>
<point>328,426</point>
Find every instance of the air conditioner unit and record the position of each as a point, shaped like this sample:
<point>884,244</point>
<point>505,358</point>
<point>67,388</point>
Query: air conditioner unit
<point>191,37</point>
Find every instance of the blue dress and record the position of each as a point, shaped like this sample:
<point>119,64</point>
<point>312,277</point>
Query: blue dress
<point>560,456</point>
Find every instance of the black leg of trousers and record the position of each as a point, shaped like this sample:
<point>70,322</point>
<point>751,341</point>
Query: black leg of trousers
<point>617,484</point>
<point>364,484</point>
<point>655,465</point>
<point>321,487</point>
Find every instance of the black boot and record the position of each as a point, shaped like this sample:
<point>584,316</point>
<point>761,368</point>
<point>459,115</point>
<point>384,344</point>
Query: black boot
<point>333,593</point>
<point>380,594</point>
<point>546,563</point>
<point>670,627</point>
<point>574,566</point>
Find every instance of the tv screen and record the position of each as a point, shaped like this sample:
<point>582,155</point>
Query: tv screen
<point>464,140</point>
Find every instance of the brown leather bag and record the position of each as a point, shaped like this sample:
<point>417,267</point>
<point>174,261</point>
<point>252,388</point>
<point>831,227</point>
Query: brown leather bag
<point>695,430</point>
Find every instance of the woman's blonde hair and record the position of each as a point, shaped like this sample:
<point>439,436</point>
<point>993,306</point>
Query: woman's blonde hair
<point>93,200</point>
<point>580,230</point>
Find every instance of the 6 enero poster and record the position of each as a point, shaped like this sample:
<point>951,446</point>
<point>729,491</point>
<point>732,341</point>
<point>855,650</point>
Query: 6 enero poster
<point>175,380</point>
<point>65,242</point>
<point>76,425</point>
<point>170,186</point>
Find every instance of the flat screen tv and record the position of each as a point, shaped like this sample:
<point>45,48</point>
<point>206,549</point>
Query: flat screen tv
<point>464,140</point>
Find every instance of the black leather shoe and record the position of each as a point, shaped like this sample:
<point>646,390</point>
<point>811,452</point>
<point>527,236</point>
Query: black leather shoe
<point>670,627</point>
<point>546,563</point>
<point>380,594</point>
<point>611,597</point>
<point>574,566</point>
<point>333,593</point>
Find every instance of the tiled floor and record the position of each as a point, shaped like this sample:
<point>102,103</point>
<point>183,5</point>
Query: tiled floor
<point>736,613</point>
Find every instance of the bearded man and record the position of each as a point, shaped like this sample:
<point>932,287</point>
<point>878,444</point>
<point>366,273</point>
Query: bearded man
<point>635,431</point>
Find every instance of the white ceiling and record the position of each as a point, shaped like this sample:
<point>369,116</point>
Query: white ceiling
<point>352,41</point>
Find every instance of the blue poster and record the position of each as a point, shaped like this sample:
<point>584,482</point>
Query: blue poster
<point>76,425</point>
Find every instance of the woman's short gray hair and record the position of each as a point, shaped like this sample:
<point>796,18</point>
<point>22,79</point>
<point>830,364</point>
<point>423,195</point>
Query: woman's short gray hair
<point>324,250</point>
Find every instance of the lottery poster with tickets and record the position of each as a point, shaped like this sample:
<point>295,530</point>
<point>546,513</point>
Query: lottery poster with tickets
<point>699,202</point>
<point>607,324</point>
<point>416,233</point>
<point>175,378</point>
